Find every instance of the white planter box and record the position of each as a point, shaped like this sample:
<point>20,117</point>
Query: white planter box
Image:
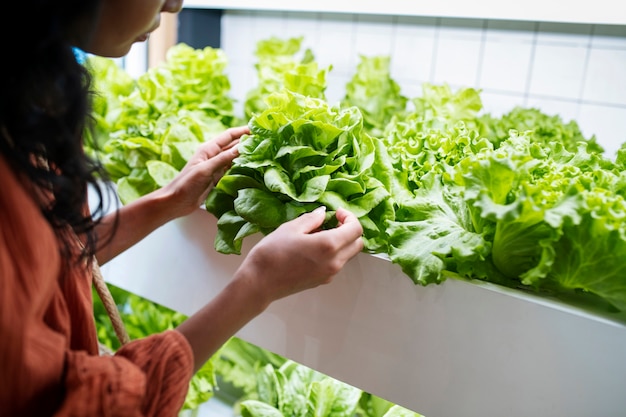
<point>458,349</point>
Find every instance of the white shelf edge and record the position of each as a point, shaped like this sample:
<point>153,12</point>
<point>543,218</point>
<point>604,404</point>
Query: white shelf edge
<point>604,12</point>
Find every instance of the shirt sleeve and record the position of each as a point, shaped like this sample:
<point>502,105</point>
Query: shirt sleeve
<point>147,377</point>
<point>48,365</point>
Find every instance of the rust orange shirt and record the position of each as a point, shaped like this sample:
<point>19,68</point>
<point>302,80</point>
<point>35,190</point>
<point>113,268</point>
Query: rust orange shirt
<point>49,362</point>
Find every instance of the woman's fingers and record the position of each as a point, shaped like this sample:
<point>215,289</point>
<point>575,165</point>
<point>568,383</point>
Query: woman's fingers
<point>213,158</point>
<point>230,137</point>
<point>226,140</point>
<point>344,240</point>
<point>217,163</point>
<point>298,255</point>
<point>348,233</point>
<point>308,222</point>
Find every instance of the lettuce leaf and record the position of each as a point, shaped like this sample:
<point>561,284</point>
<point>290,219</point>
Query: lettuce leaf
<point>301,153</point>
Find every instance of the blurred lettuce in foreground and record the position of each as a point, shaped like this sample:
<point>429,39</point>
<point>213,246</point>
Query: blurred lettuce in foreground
<point>270,385</point>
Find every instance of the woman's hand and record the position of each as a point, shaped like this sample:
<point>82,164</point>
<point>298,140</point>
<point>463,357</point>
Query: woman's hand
<point>298,255</point>
<point>295,257</point>
<point>190,188</point>
<point>186,193</point>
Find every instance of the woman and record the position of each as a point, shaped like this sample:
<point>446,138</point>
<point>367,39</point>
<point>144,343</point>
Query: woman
<point>49,363</point>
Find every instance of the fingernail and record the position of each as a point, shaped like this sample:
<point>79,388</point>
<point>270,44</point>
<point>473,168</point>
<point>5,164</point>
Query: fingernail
<point>320,209</point>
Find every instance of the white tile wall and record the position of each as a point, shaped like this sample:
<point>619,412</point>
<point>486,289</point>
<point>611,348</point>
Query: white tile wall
<point>603,65</point>
<point>413,49</point>
<point>575,70</point>
<point>557,71</point>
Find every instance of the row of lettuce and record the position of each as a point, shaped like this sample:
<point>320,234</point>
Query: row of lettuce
<point>253,380</point>
<point>443,189</point>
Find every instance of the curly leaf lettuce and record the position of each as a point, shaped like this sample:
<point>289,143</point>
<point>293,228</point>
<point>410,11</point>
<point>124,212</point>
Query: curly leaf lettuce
<point>559,224</point>
<point>438,236</point>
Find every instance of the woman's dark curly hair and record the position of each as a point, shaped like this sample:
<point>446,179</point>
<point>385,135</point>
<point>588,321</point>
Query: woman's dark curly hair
<point>45,108</point>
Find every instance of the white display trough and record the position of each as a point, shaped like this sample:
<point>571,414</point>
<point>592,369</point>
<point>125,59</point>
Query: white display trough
<point>459,349</point>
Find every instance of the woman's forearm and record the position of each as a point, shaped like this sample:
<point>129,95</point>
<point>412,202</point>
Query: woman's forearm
<point>212,326</point>
<point>295,257</point>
